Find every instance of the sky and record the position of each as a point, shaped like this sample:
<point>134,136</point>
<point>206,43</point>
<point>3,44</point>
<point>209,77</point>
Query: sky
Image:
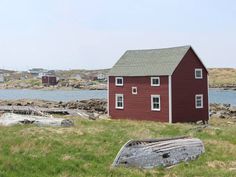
<point>93,34</point>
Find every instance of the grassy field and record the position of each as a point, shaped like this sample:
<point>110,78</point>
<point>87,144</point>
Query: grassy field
<point>89,148</point>
<point>222,77</point>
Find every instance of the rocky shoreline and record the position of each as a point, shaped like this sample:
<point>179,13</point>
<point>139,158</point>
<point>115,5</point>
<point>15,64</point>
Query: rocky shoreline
<point>223,111</point>
<point>224,88</point>
<point>92,109</point>
<point>41,87</point>
<point>98,107</point>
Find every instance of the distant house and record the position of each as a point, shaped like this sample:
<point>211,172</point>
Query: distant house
<point>2,78</point>
<point>49,80</point>
<point>101,77</point>
<point>50,72</point>
<point>37,72</point>
<point>167,85</point>
<point>40,72</point>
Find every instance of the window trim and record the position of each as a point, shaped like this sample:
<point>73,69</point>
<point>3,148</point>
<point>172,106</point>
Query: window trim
<point>116,105</point>
<point>155,96</point>
<point>159,81</point>
<point>196,96</point>
<point>134,93</point>
<point>196,70</point>
<point>116,79</point>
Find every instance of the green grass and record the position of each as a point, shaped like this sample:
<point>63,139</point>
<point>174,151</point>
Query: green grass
<point>222,77</point>
<point>89,148</point>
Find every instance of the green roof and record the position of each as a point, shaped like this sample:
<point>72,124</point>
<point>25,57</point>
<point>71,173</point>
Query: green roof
<point>154,62</point>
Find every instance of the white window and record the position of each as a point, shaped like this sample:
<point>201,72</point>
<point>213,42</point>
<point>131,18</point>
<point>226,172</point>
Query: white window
<point>134,90</point>
<point>155,81</point>
<point>198,101</point>
<point>156,102</point>
<point>198,74</point>
<point>119,101</point>
<point>119,81</point>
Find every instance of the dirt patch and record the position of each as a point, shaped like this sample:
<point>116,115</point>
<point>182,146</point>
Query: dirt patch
<point>66,157</point>
<point>222,165</point>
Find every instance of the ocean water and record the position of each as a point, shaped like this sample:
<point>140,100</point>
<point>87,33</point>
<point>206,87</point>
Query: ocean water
<point>52,95</point>
<point>222,96</point>
<point>215,95</point>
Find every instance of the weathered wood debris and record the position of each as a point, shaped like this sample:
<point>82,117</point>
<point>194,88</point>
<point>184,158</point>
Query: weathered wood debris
<point>39,111</point>
<point>89,109</point>
<point>10,119</point>
<point>158,152</point>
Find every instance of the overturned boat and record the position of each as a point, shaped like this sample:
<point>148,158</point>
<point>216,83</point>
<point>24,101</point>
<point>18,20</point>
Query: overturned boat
<point>158,152</point>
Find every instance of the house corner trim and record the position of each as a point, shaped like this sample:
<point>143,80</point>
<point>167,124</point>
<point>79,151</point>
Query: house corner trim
<point>108,93</point>
<point>170,99</point>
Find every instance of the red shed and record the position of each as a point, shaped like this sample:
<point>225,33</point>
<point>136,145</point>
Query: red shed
<point>167,85</point>
<point>49,80</point>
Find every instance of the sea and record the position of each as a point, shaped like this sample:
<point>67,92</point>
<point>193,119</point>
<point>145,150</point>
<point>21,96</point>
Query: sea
<point>215,95</point>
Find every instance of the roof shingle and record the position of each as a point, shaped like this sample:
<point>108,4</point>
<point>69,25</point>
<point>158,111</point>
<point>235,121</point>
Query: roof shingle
<point>149,62</point>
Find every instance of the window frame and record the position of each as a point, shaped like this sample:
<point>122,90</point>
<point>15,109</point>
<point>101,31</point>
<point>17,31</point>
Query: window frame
<point>197,70</point>
<point>196,101</point>
<point>134,93</point>
<point>155,85</point>
<point>116,81</point>
<point>116,103</point>
<point>152,107</point>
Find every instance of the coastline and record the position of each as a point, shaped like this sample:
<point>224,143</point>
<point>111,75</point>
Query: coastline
<point>94,87</point>
<point>52,88</point>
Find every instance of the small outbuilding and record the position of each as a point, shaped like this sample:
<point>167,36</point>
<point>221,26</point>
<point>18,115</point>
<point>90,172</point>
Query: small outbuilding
<point>49,80</point>
<point>166,85</point>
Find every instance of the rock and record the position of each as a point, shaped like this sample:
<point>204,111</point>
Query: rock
<point>91,116</point>
<point>103,116</point>
<point>226,105</point>
<point>67,123</point>
<point>222,110</point>
<point>96,115</point>
<point>10,119</point>
<point>232,109</point>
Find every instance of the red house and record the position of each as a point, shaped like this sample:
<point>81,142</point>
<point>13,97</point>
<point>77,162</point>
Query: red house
<point>49,80</point>
<point>167,85</point>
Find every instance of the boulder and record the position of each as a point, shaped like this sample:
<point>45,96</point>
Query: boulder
<point>232,109</point>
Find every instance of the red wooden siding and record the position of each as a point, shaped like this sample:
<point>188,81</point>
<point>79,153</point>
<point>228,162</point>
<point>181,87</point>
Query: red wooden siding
<point>49,80</point>
<point>184,89</point>
<point>138,106</point>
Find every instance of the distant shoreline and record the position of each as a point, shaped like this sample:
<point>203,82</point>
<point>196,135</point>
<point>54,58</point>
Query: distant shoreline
<point>224,88</point>
<point>94,88</point>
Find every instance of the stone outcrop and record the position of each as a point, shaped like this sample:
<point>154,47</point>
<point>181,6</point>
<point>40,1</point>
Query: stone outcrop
<point>10,119</point>
<point>90,109</point>
<point>223,111</point>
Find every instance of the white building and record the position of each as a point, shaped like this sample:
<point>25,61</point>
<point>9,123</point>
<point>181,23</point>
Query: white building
<point>101,77</point>
<point>2,78</point>
<point>37,72</point>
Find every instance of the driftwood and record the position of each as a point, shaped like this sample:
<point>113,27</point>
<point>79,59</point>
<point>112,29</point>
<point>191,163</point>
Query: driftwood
<point>10,119</point>
<point>33,110</point>
<point>158,152</point>
<point>43,111</point>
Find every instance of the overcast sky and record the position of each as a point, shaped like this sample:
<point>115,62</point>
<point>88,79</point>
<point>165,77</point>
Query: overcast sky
<point>91,34</point>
